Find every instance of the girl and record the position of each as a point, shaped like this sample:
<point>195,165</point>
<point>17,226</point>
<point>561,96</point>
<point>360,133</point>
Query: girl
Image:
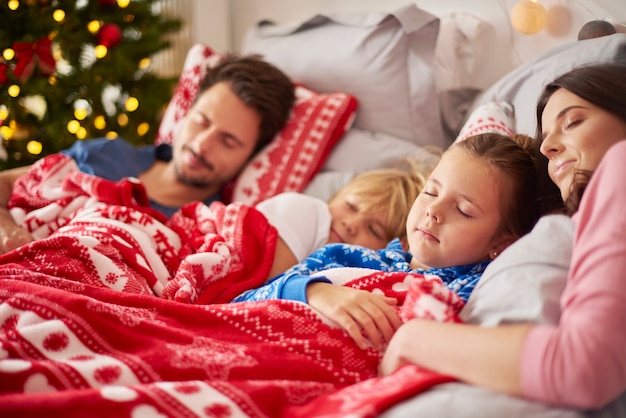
<point>479,198</point>
<point>578,362</point>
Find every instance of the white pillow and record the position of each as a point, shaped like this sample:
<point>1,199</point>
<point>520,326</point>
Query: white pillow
<point>385,60</point>
<point>522,86</point>
<point>361,150</point>
<point>525,282</point>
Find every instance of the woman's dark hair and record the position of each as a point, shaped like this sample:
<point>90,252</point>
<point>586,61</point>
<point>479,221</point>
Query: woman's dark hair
<point>513,159</point>
<point>603,85</point>
<point>261,86</point>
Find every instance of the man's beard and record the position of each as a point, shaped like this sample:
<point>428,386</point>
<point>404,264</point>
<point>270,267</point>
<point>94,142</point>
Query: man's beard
<point>197,183</point>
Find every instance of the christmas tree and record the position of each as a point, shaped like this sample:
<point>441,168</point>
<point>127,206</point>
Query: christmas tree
<point>76,69</point>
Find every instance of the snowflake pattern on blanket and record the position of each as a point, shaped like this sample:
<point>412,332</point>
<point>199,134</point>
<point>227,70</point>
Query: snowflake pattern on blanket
<point>85,329</point>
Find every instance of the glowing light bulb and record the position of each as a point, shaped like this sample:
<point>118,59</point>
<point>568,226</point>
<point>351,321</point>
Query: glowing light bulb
<point>14,90</point>
<point>34,147</point>
<point>8,54</point>
<point>73,126</point>
<point>82,133</point>
<point>122,119</point>
<point>58,15</point>
<point>143,128</point>
<point>93,26</point>
<point>101,51</point>
<point>528,17</point>
<point>4,113</point>
<point>131,104</point>
<point>13,4</point>
<point>144,63</point>
<point>100,122</point>
<point>123,3</point>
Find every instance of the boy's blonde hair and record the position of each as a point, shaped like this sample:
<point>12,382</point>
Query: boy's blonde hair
<point>390,191</point>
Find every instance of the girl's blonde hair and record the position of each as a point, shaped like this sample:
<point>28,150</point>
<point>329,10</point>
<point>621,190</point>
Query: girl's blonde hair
<point>390,191</point>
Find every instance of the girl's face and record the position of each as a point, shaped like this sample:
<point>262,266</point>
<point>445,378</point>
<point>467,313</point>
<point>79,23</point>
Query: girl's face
<point>576,135</point>
<point>351,225</point>
<point>454,220</point>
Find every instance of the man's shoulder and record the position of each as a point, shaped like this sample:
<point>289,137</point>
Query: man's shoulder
<point>103,144</point>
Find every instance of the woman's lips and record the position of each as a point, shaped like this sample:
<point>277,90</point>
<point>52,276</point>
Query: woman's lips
<point>561,167</point>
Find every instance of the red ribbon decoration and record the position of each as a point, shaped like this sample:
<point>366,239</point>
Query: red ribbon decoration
<point>31,55</point>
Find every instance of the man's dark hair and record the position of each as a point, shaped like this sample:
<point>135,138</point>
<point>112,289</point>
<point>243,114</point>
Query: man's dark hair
<point>261,86</point>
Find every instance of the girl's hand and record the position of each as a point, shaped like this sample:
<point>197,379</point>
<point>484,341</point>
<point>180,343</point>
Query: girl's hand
<point>362,314</point>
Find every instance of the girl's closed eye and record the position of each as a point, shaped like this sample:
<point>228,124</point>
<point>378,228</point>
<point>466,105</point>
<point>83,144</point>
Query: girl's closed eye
<point>429,192</point>
<point>463,213</point>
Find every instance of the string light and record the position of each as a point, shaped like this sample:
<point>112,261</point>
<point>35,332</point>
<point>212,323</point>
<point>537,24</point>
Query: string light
<point>93,26</point>
<point>73,126</point>
<point>528,17</point>
<point>8,54</point>
<point>143,128</point>
<point>122,119</point>
<point>58,15</point>
<point>144,63</point>
<point>14,90</point>
<point>82,133</point>
<point>100,122</point>
<point>34,147</point>
<point>101,51</point>
<point>13,4</point>
<point>131,104</point>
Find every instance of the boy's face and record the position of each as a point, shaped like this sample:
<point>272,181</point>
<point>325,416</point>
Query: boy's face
<point>454,220</point>
<point>351,226</point>
<point>217,138</point>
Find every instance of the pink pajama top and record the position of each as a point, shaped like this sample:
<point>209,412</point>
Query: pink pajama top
<point>581,362</point>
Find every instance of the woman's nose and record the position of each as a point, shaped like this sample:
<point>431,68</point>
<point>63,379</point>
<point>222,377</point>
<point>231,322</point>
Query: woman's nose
<point>550,146</point>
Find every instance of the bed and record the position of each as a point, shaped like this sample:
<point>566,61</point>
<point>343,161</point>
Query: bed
<point>117,311</point>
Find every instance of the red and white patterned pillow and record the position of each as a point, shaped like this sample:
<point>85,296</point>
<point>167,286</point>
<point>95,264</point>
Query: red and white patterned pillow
<point>293,157</point>
<point>497,117</point>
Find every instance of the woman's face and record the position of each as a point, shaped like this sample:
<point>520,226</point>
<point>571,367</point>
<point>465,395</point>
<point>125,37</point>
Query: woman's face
<point>576,135</point>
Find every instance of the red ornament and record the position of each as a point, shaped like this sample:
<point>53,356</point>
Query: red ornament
<point>110,35</point>
<point>107,2</point>
<point>3,76</point>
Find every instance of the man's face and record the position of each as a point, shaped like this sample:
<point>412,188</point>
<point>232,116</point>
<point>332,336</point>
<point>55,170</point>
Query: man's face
<point>217,138</point>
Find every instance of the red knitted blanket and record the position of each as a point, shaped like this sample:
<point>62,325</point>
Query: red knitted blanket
<point>97,316</point>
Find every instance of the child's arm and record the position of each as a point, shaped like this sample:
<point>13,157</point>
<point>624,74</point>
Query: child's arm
<point>11,235</point>
<point>284,258</point>
<point>361,313</point>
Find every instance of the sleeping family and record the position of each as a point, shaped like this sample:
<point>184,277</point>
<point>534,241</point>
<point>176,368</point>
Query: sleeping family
<point>451,222</point>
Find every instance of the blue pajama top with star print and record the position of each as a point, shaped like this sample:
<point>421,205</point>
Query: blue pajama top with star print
<point>292,283</point>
